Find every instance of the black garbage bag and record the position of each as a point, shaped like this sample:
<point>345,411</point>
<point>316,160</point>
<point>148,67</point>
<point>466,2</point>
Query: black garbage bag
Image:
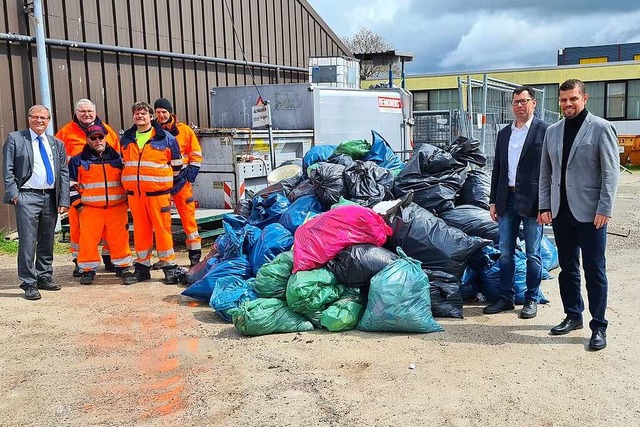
<point>467,151</point>
<point>431,241</point>
<point>367,183</point>
<point>428,159</point>
<point>328,183</point>
<point>475,189</point>
<point>436,193</point>
<point>434,176</point>
<point>243,208</point>
<point>340,159</point>
<point>304,188</point>
<point>446,299</point>
<point>473,220</point>
<point>357,264</point>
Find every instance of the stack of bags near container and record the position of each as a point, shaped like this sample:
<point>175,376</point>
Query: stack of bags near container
<point>348,267</point>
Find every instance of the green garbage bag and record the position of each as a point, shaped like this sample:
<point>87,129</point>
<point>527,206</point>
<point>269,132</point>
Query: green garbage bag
<point>264,316</point>
<point>344,314</point>
<point>272,277</point>
<point>356,148</point>
<point>399,299</point>
<point>311,292</point>
<point>343,202</point>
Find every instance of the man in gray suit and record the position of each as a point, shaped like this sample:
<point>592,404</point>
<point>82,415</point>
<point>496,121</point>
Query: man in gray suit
<point>36,182</point>
<point>578,181</point>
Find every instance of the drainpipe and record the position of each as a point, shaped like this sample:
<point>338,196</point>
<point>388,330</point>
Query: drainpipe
<point>43,66</point>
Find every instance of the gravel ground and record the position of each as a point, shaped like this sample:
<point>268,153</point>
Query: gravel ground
<point>109,355</point>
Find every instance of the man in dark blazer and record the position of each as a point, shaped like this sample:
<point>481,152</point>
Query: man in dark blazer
<point>36,182</point>
<point>579,174</point>
<point>514,200</point>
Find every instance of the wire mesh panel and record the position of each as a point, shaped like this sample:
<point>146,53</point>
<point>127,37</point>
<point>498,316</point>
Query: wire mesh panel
<point>486,108</point>
<point>432,127</point>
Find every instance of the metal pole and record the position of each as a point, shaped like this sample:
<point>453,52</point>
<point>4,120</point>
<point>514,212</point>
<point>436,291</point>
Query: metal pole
<point>485,93</point>
<point>390,75</point>
<point>272,148</point>
<point>470,106</point>
<point>404,86</point>
<point>43,66</point>
<point>148,52</point>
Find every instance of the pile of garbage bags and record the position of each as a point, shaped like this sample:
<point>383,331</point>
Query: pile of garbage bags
<point>359,239</point>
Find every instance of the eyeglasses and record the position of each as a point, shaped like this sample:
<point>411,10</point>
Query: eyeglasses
<point>97,137</point>
<point>41,118</point>
<point>85,111</point>
<point>521,101</point>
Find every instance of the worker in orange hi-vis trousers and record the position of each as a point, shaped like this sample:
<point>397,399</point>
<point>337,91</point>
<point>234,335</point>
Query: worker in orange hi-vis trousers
<point>151,161</point>
<point>101,201</point>
<point>182,192</point>
<point>73,134</point>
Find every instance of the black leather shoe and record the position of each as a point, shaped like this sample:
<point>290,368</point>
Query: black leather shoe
<point>31,293</point>
<point>140,274</point>
<point>87,278</point>
<point>598,340</point>
<point>47,284</point>
<point>108,265</point>
<point>567,325</point>
<point>529,310</point>
<point>498,307</point>
<point>160,265</point>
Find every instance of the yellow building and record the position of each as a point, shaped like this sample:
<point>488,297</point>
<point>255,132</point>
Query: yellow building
<point>613,87</point>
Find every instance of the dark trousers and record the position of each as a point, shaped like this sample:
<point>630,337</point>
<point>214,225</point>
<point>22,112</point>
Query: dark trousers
<point>36,216</point>
<point>572,237</point>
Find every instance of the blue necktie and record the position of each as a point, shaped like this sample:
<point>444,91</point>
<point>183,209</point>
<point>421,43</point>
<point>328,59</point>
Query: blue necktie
<point>45,160</point>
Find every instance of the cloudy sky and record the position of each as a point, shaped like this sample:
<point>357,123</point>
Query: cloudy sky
<point>455,35</point>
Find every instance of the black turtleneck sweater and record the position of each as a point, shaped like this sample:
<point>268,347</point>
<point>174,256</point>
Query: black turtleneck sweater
<point>571,128</point>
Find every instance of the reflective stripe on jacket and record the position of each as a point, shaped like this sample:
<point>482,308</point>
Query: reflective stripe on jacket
<point>97,178</point>
<point>191,156</point>
<point>152,168</point>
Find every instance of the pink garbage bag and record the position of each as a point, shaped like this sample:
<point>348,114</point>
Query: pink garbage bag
<point>322,238</point>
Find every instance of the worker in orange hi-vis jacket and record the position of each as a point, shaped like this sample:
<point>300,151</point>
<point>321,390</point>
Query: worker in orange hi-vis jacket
<point>73,134</point>
<point>182,192</point>
<point>101,201</point>
<point>151,161</point>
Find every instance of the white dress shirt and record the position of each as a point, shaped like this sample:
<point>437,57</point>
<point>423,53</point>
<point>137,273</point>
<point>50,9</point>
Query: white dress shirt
<point>38,179</point>
<point>516,142</point>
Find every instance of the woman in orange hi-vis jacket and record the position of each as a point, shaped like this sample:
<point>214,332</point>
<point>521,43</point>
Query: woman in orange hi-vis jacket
<point>151,161</point>
<point>101,201</point>
<point>73,134</point>
<point>182,192</point>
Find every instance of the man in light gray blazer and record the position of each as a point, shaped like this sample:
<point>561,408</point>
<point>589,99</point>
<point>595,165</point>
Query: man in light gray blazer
<point>578,181</point>
<point>36,182</point>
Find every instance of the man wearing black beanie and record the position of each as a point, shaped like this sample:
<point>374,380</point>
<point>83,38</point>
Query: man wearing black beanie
<point>182,191</point>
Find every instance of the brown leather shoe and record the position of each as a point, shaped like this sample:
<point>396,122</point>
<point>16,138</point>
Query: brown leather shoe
<point>47,284</point>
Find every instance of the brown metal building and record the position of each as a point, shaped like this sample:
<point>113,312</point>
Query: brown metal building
<point>119,52</point>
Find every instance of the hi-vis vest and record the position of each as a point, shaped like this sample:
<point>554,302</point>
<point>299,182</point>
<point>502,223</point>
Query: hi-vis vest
<point>96,180</point>
<point>150,170</point>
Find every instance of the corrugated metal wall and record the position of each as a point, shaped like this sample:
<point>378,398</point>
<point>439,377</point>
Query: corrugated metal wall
<point>275,32</point>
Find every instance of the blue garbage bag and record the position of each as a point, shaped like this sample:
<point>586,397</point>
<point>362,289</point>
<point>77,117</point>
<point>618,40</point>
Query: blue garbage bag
<point>549,254</point>
<point>267,211</point>
<point>399,299</point>
<point>238,237</point>
<point>317,153</point>
<point>489,277</point>
<point>297,213</point>
<point>273,240</point>
<point>238,266</point>
<point>230,292</point>
<point>382,154</point>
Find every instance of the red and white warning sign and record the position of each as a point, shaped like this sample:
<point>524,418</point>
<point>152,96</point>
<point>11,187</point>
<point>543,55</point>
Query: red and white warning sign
<point>388,104</point>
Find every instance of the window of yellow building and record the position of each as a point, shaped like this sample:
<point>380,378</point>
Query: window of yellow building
<point>594,60</point>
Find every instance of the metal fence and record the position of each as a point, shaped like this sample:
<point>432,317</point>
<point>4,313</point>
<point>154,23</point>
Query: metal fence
<point>485,107</point>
